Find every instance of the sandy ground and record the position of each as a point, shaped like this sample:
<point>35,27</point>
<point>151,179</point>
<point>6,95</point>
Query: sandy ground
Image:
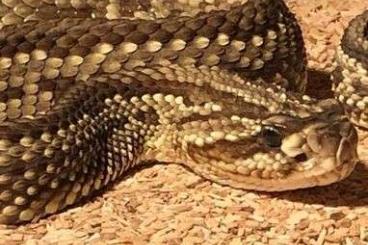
<point>167,204</point>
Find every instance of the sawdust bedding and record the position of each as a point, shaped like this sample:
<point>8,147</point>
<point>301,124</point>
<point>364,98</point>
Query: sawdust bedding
<point>167,204</point>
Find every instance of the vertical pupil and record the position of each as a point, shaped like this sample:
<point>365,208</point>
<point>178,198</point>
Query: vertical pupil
<point>272,138</point>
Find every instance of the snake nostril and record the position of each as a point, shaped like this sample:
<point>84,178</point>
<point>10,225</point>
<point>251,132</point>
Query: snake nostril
<point>301,157</point>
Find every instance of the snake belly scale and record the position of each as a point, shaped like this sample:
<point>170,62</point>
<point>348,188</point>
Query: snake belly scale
<point>83,100</point>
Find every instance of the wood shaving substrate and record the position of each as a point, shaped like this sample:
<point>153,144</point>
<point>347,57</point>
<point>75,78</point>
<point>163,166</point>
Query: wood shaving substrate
<point>167,204</point>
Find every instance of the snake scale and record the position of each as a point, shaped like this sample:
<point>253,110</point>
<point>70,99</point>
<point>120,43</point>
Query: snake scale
<point>85,98</point>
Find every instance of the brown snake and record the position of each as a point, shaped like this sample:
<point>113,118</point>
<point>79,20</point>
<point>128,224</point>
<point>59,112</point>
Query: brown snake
<point>83,100</point>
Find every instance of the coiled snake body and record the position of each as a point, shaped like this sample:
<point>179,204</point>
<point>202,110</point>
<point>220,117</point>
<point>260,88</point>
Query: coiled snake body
<point>85,99</point>
<point>351,74</point>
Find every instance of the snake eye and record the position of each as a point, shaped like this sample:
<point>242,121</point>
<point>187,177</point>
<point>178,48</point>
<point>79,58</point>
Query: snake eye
<point>271,136</point>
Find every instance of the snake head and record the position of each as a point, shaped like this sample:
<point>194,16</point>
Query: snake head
<point>254,135</point>
<point>278,152</point>
<point>317,150</point>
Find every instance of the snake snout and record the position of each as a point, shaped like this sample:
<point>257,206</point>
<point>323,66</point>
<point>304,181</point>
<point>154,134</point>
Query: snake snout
<point>334,146</point>
<point>347,150</point>
<point>326,138</point>
<point>336,136</point>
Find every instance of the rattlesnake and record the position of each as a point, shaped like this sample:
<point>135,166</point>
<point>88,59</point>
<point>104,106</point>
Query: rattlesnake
<point>84,99</point>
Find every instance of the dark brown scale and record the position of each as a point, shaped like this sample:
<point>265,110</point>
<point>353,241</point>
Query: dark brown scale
<point>54,33</point>
<point>136,37</point>
<point>101,29</point>
<point>14,93</point>
<point>34,36</point>
<point>148,27</point>
<point>261,18</point>
<point>246,24</point>
<point>50,29</point>
<point>15,39</point>
<point>77,31</point>
<point>268,2</point>
<point>162,36</point>
<point>124,28</point>
<point>3,98</point>
<point>195,24</point>
<point>185,34</point>
<point>66,42</point>
<point>88,40</point>
<point>249,11</point>
<point>45,44</point>
<point>58,52</point>
<point>261,5</point>
<point>234,15</point>
<point>80,50</point>
<point>229,28</point>
<point>172,25</point>
<point>259,29</point>
<point>271,14</point>
<point>86,24</point>
<point>216,21</point>
<point>112,38</point>
<point>47,85</point>
<point>8,51</point>
<point>282,52</point>
<point>6,31</point>
<point>208,31</point>
<point>3,40</point>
